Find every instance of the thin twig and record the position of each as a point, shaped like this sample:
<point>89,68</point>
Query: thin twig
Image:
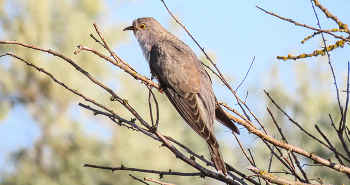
<point>120,120</point>
<point>212,71</point>
<point>157,106</point>
<point>278,127</point>
<point>120,65</point>
<point>88,75</point>
<point>300,127</point>
<point>285,139</point>
<point>191,162</point>
<point>96,40</point>
<point>209,163</point>
<point>157,182</point>
<point>341,128</point>
<point>330,64</point>
<point>330,144</point>
<point>347,133</point>
<point>347,101</point>
<point>251,155</point>
<point>57,81</point>
<point>242,148</point>
<point>251,64</point>
<point>306,26</point>
<point>116,57</point>
<point>237,113</point>
<point>246,97</point>
<point>283,160</point>
<point>264,137</point>
<point>150,106</point>
<point>135,178</point>
<point>340,138</point>
<point>123,168</point>
<point>271,157</point>
<point>345,146</point>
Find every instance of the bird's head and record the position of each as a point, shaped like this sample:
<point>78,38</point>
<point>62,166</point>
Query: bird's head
<point>147,29</point>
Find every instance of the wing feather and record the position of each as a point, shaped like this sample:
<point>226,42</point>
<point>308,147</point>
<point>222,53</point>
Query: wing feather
<point>186,86</point>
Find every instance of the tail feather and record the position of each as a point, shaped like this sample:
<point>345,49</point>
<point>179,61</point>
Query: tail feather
<point>222,117</point>
<point>216,157</point>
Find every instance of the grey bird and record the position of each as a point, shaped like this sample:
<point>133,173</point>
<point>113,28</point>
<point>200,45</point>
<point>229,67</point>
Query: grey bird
<point>184,81</point>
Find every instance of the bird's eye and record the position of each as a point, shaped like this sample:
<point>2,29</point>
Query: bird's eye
<point>142,26</point>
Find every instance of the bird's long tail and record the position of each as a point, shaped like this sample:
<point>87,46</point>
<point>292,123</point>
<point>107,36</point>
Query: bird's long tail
<point>216,157</point>
<point>222,117</point>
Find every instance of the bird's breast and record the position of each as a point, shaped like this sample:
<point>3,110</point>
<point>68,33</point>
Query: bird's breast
<point>146,50</point>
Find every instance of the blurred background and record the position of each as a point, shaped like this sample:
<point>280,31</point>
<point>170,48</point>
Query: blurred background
<point>45,137</point>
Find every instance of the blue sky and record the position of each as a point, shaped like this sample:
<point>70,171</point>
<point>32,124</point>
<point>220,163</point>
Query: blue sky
<point>235,31</point>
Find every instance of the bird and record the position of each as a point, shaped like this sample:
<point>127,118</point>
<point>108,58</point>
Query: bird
<point>185,82</point>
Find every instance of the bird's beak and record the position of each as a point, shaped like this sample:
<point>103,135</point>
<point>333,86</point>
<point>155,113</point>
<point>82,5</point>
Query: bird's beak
<point>129,28</point>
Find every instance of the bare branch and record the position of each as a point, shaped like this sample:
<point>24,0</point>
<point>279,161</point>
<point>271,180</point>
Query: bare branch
<point>347,100</point>
<point>306,26</point>
<point>300,127</point>
<point>291,148</point>
<point>116,58</point>
<point>120,65</point>
<point>123,168</point>
<point>330,15</point>
<point>272,178</point>
<point>150,107</point>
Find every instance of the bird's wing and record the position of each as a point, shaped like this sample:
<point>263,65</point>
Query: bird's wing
<point>190,110</point>
<point>186,85</point>
<point>175,66</point>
